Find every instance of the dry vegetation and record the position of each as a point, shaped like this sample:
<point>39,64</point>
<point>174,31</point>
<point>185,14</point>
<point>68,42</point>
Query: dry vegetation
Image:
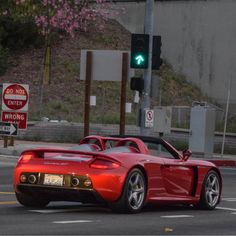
<point>64,97</point>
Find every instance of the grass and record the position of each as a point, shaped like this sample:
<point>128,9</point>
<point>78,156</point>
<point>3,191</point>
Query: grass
<point>176,90</point>
<point>227,150</point>
<point>231,125</point>
<point>181,145</point>
<point>69,104</point>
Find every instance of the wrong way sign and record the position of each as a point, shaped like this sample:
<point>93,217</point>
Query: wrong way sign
<point>8,129</point>
<point>19,118</point>
<point>15,97</point>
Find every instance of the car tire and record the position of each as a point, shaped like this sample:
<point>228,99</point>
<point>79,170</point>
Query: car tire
<point>211,191</point>
<point>30,201</point>
<point>133,195</point>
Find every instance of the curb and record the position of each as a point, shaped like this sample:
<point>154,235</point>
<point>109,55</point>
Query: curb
<point>226,163</point>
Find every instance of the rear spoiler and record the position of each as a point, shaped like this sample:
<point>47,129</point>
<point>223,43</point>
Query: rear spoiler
<point>41,151</point>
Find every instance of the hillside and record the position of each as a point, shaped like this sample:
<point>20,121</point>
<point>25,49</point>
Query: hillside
<point>63,98</point>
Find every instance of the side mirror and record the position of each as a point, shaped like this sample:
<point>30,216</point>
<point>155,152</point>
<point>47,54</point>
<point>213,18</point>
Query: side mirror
<point>186,154</point>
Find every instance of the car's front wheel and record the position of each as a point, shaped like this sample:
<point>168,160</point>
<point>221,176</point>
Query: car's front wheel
<point>133,195</point>
<point>30,201</point>
<point>211,190</point>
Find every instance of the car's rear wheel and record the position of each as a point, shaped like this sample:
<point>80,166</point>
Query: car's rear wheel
<point>30,201</point>
<point>133,195</point>
<point>211,190</point>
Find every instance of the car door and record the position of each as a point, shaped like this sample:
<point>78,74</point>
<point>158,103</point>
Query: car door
<point>178,177</point>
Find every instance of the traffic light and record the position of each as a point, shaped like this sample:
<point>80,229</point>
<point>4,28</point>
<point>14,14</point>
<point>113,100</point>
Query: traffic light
<point>156,53</point>
<point>139,51</point>
<point>137,83</point>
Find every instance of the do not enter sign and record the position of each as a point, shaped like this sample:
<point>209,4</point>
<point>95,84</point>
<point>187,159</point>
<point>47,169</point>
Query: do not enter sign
<point>15,97</point>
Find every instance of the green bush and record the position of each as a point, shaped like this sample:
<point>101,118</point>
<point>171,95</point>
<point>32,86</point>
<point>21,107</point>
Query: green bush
<point>18,34</point>
<point>3,60</point>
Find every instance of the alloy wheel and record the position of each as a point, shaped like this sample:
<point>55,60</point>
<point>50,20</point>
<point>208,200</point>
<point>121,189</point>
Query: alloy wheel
<point>136,190</point>
<point>212,190</point>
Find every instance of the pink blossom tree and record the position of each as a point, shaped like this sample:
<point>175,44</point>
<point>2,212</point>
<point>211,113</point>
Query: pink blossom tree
<point>70,16</point>
<point>67,15</point>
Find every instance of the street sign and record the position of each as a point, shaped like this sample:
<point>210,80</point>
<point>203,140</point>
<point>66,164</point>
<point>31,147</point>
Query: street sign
<point>15,97</point>
<point>149,118</point>
<point>19,118</point>
<point>111,60</point>
<point>8,129</point>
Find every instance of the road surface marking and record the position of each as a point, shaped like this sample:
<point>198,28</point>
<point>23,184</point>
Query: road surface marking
<point>72,221</point>
<point>234,213</point>
<point>229,199</point>
<point>177,216</point>
<point>227,168</point>
<point>53,211</point>
<point>7,193</point>
<point>9,157</point>
<point>168,230</point>
<point>8,203</point>
<point>226,208</point>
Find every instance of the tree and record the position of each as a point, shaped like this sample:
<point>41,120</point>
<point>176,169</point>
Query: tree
<point>67,15</point>
<point>70,16</point>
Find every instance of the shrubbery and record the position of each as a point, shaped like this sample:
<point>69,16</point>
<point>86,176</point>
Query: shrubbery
<point>16,34</point>
<point>3,60</point>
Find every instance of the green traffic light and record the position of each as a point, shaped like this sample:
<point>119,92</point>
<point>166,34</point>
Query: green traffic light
<point>139,59</point>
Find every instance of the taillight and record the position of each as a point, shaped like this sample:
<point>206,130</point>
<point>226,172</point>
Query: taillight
<point>26,157</point>
<point>104,164</point>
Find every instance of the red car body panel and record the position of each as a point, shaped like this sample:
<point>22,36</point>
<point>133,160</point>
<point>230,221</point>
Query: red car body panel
<point>168,180</point>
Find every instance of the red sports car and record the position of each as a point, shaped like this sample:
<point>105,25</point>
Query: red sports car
<point>126,173</point>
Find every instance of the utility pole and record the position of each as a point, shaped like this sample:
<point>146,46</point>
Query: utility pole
<point>226,117</point>
<point>146,102</point>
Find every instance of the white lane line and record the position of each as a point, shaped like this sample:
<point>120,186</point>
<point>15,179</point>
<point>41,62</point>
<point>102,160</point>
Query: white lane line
<point>8,193</point>
<point>227,168</point>
<point>72,221</point>
<point>234,213</point>
<point>53,211</point>
<point>226,208</point>
<point>229,199</point>
<point>177,216</point>
<point>8,157</point>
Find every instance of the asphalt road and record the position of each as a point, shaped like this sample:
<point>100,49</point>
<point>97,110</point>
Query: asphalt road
<point>63,218</point>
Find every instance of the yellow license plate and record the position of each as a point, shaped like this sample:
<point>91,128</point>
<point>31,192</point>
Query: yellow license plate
<point>54,180</point>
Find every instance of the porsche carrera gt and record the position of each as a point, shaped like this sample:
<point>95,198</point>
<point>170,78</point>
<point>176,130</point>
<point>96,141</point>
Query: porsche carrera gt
<point>125,173</point>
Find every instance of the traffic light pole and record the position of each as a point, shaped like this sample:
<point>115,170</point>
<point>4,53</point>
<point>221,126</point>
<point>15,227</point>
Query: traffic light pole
<point>146,102</point>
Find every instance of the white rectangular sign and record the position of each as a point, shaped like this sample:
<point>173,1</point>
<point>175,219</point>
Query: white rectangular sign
<point>149,118</point>
<point>106,65</point>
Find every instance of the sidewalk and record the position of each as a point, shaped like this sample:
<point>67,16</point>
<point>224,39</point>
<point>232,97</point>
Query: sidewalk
<point>226,160</point>
<point>20,146</point>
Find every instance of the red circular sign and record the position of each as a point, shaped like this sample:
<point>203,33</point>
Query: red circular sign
<point>15,97</point>
<point>150,115</point>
